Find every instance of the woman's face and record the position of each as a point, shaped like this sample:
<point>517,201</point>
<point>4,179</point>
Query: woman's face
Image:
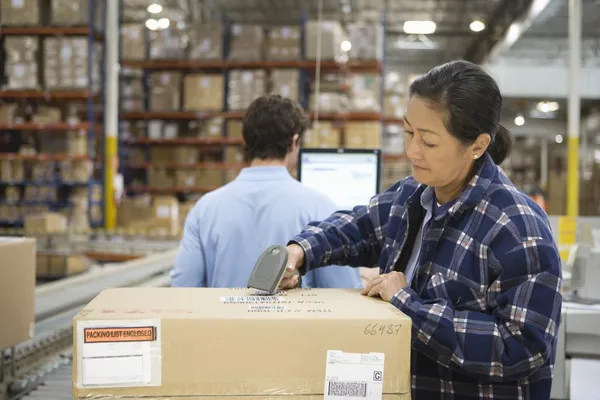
<point>438,159</point>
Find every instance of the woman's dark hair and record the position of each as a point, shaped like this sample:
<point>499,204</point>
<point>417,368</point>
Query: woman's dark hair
<point>472,101</point>
<point>269,126</point>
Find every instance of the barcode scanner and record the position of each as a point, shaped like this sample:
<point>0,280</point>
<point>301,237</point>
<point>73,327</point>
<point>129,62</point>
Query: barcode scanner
<point>270,269</point>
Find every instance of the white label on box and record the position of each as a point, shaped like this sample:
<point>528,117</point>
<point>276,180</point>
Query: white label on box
<point>119,353</point>
<point>18,3</point>
<point>19,70</point>
<point>251,299</point>
<point>163,211</point>
<point>352,375</point>
<point>205,82</point>
<point>247,77</point>
<point>236,29</point>
<point>285,91</point>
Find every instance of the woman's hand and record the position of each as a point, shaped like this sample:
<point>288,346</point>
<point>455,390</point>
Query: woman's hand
<point>291,277</point>
<point>385,286</point>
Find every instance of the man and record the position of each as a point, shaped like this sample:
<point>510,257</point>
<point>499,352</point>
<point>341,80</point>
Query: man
<point>228,229</point>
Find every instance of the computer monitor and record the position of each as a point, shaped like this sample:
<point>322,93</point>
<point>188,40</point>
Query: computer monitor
<point>349,177</point>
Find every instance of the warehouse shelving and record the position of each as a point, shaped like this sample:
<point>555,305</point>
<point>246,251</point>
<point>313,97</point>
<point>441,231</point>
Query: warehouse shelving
<point>90,99</point>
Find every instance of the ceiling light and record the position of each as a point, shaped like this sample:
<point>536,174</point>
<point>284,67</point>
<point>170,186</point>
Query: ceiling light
<point>477,26</point>
<point>154,8</point>
<point>548,106</point>
<point>152,24</point>
<point>558,138</point>
<point>163,23</point>
<point>419,27</point>
<point>519,120</point>
<point>346,45</point>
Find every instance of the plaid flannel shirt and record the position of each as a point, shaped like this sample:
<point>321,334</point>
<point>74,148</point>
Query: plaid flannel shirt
<point>485,301</point>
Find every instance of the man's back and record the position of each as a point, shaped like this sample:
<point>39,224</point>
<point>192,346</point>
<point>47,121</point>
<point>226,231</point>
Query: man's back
<point>229,228</point>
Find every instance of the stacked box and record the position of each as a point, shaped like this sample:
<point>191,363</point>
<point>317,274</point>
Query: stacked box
<point>21,62</point>
<point>47,115</point>
<point>19,12</point>
<point>365,135</point>
<point>133,41</point>
<point>367,40</point>
<point>132,94</point>
<point>332,36</point>
<point>203,92</point>
<point>365,93</point>
<point>245,87</point>
<point>8,113</point>
<point>165,91</point>
<point>322,135</point>
<point>393,139</point>
<point>284,43</point>
<point>160,178</point>
<point>330,102</point>
<point>66,63</point>
<point>69,12</point>
<point>168,44</point>
<point>205,42</point>
<point>247,42</point>
<point>77,143</point>
<point>207,128</point>
<point>286,82</point>
<point>394,105</point>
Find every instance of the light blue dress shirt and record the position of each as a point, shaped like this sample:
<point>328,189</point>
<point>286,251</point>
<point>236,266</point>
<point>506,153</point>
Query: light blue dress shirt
<point>228,229</point>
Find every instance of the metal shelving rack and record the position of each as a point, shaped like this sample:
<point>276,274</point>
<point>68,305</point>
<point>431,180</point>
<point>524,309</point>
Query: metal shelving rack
<point>225,65</point>
<point>94,130</point>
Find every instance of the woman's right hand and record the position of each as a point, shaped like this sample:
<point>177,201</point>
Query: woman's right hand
<point>291,277</point>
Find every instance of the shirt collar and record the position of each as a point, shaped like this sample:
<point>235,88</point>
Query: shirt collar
<point>255,174</point>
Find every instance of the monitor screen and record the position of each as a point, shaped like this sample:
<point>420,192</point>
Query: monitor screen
<point>348,177</point>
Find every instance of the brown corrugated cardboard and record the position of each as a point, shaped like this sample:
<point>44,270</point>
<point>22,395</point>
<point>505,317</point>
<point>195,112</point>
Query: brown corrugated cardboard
<point>165,91</point>
<point>244,87</point>
<point>234,129</point>
<point>318,330</point>
<point>19,12</point>
<point>66,63</point>
<point>247,42</point>
<point>286,82</point>
<point>66,264</point>
<point>169,44</point>
<point>363,135</point>
<point>166,214</point>
<point>17,290</point>
<point>21,62</point>
<point>323,135</point>
<point>69,12</point>
<point>161,178</point>
<point>332,36</point>
<point>134,209</point>
<point>284,43</point>
<point>205,41</point>
<point>203,92</point>
<point>46,223</point>
<point>133,41</point>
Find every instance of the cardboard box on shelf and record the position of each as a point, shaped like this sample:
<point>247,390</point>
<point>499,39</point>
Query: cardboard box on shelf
<point>365,93</point>
<point>166,214</point>
<point>186,178</point>
<point>21,67</point>
<point>211,128</point>
<point>394,105</point>
<point>367,40</point>
<point>165,91</point>
<point>332,36</point>
<point>186,154</point>
<point>19,12</point>
<point>330,102</point>
<point>169,44</point>
<point>134,209</point>
<point>133,41</point>
<point>47,115</point>
<point>45,223</point>
<point>244,87</point>
<point>77,143</point>
<point>234,155</point>
<point>363,135</point>
<point>66,63</point>
<point>162,154</point>
<point>235,129</point>
<point>8,113</point>
<point>210,177</point>
<point>286,82</point>
<point>17,290</point>
<point>161,178</point>
<point>203,92</point>
<point>247,42</point>
<point>205,41</point>
<point>322,135</point>
<point>174,328</point>
<point>284,43</point>
<point>69,12</point>
<point>61,264</point>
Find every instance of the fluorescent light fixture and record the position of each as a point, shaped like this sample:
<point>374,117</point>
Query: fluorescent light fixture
<point>477,26</point>
<point>346,45</point>
<point>154,8</point>
<point>152,24</point>
<point>419,27</point>
<point>548,106</point>
<point>519,120</point>
<point>558,138</point>
<point>163,23</point>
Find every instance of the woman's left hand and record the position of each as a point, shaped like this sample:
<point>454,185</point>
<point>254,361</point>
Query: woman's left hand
<point>385,286</point>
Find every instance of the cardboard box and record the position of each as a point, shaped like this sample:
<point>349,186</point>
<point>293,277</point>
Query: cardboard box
<point>247,42</point>
<point>332,36</point>
<point>171,343</point>
<point>17,290</point>
<point>284,43</point>
<point>205,41</point>
<point>322,135</point>
<point>66,264</point>
<point>70,12</point>
<point>286,83</point>
<point>19,12</point>
<point>169,44</point>
<point>394,105</point>
<point>363,135</point>
<point>66,63</point>
<point>203,92</point>
<point>21,62</point>
<point>235,129</point>
<point>166,214</point>
<point>244,87</point>
<point>165,91</point>
<point>133,41</point>
<point>46,223</point>
<point>365,93</point>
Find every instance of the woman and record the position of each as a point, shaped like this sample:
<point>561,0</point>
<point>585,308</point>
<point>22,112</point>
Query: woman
<point>469,258</point>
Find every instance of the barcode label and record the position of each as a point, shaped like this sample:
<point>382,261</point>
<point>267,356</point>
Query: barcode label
<point>251,299</point>
<point>347,389</point>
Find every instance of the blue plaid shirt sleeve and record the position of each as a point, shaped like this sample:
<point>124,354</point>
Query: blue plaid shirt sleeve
<point>520,330</point>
